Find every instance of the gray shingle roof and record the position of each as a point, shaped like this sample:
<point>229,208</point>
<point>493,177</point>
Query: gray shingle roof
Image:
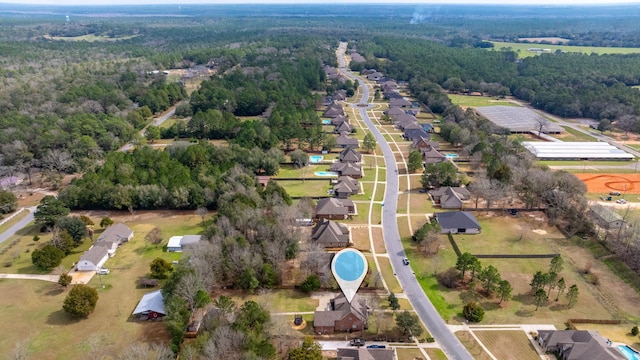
<point>95,254</point>
<point>457,220</point>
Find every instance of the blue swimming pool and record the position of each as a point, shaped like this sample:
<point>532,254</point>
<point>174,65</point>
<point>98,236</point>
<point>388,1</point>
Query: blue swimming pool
<point>451,156</point>
<point>629,352</point>
<point>349,265</point>
<point>326,121</point>
<point>316,158</point>
<point>325,173</point>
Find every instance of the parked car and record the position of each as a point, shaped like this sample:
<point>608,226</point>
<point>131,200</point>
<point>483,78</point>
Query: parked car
<point>405,261</point>
<point>103,271</point>
<point>621,201</point>
<point>615,193</point>
<point>376,346</point>
<point>357,342</point>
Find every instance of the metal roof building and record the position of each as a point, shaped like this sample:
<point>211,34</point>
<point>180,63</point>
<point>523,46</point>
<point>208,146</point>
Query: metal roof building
<point>576,151</point>
<point>517,119</point>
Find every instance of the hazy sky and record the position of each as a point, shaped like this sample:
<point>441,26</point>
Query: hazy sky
<point>151,2</point>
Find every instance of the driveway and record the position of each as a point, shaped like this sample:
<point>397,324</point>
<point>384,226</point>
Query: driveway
<point>50,278</point>
<point>19,225</point>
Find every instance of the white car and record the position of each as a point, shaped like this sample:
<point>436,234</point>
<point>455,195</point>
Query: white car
<point>103,271</point>
<point>621,201</point>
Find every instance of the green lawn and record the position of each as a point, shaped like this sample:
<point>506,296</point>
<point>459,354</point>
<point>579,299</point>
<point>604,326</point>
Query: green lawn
<point>389,277</point>
<point>574,135</point>
<point>299,188</point>
<point>474,101</point>
<point>285,300</point>
<point>521,49</point>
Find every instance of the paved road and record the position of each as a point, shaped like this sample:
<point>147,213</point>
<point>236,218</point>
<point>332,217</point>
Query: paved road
<point>419,300</point>
<point>128,146</point>
<point>50,278</point>
<point>19,225</point>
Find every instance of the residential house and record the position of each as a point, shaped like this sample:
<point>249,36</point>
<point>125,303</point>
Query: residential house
<point>606,217</point>
<point>334,209</point>
<point>344,141</point>
<point>413,126</point>
<point>375,76</point>
<point>431,156</point>
<point>93,259</point>
<point>340,95</point>
<point>116,232</point>
<point>389,86</point>
<point>413,134</point>
<point>364,353</point>
<point>404,119</point>
<point>424,143</point>
<point>450,197</point>
<point>327,100</point>
<point>388,95</point>
<point>345,186</point>
<point>150,307</point>
<point>427,127</point>
<point>341,316</point>
<point>344,127</point>
<point>401,103</point>
<point>339,120</point>
<point>350,155</point>
<point>179,243</point>
<point>394,111</point>
<point>578,345</point>
<point>330,234</point>
<point>347,169</point>
<point>334,110</point>
<point>357,58</point>
<point>458,222</point>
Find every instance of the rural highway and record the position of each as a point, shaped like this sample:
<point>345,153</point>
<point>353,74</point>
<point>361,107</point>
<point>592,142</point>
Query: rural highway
<point>19,225</point>
<point>452,347</point>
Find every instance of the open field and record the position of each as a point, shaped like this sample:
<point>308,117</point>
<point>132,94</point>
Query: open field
<point>603,183</point>
<point>573,135</point>
<point>277,300</point>
<point>508,344</point>
<point>299,188</point>
<point>552,40</point>
<point>89,38</point>
<point>473,101</point>
<point>521,49</point>
<point>472,345</point>
<point>408,353</point>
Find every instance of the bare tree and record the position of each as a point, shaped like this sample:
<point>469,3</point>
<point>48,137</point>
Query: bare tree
<point>144,351</point>
<point>202,212</point>
<point>542,124</point>
<point>154,236</point>
<point>20,351</point>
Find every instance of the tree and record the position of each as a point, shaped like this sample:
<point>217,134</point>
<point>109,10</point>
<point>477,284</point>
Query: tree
<point>154,236</point>
<point>439,174</point>
<point>369,142</point>
<point>251,317</point>
<point>394,304</point>
<point>464,262</point>
<point>415,161</point>
<point>81,300</point>
<point>65,279</point>
<point>329,142</point>
<point>540,295</point>
<point>225,304</point>
<point>159,268</point>
<point>572,295</point>
<point>106,222</point>
<point>74,226</point>
<point>299,158</point>
<point>152,133</point>
<point>311,283</point>
<point>539,281</point>
<point>542,123</point>
<point>49,211</point>
<point>409,323</point>
<point>8,202</point>
<point>47,258</point>
<point>308,350</point>
<point>561,286</point>
<point>504,290</point>
<point>140,351</point>
<point>87,220</point>
<point>490,279</point>
<point>556,264</point>
<point>202,212</point>
<point>635,331</point>
<point>473,312</point>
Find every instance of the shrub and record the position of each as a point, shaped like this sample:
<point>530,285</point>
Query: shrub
<point>473,312</point>
<point>81,301</point>
<point>47,258</point>
<point>311,283</point>
<point>635,331</point>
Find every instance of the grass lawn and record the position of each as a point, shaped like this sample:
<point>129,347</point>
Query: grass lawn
<point>521,48</point>
<point>472,345</point>
<point>473,101</point>
<point>305,188</point>
<point>573,135</point>
<point>17,251</point>
<point>368,191</point>
<point>409,354</point>
<point>508,344</point>
<point>616,333</point>
<point>307,172</point>
<point>90,38</point>
<point>284,300</point>
<point>21,214</point>
<point>387,273</point>
<point>436,354</point>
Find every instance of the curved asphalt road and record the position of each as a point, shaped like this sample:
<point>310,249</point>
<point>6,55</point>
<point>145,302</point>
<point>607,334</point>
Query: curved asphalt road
<point>19,225</point>
<point>419,300</point>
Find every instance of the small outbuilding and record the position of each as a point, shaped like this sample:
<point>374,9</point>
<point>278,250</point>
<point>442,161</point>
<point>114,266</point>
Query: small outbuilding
<point>150,307</point>
<point>178,243</point>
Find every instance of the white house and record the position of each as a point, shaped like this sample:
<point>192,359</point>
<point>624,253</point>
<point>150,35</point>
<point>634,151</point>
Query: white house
<point>93,259</point>
<point>178,243</point>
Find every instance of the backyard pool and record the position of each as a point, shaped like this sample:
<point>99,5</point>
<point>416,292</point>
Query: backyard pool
<point>451,156</point>
<point>629,352</point>
<point>316,158</point>
<point>326,121</point>
<point>325,173</point>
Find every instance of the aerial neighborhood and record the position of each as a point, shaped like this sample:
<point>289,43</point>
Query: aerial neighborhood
<point>209,181</point>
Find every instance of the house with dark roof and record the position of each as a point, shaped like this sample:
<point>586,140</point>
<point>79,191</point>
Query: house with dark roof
<point>330,234</point>
<point>334,209</point>
<point>150,306</point>
<point>431,156</point>
<point>344,141</point>
<point>341,316</point>
<point>412,126</point>
<point>413,134</point>
<point>343,127</point>
<point>364,353</point>
<point>116,232</point>
<point>334,110</point>
<point>458,222</point>
<point>449,197</point>
<point>345,187</point>
<point>404,119</point>
<point>394,111</point>
<point>375,76</point>
<point>341,94</point>
<point>93,259</point>
<point>606,217</point>
<point>389,86</point>
<point>347,169</point>
<point>424,143</point>
<point>578,345</point>
<point>350,155</point>
<point>427,127</point>
<point>401,103</point>
<point>339,120</point>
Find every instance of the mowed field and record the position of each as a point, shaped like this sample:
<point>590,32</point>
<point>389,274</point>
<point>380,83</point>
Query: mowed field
<point>521,48</point>
<point>507,344</point>
<point>604,183</point>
